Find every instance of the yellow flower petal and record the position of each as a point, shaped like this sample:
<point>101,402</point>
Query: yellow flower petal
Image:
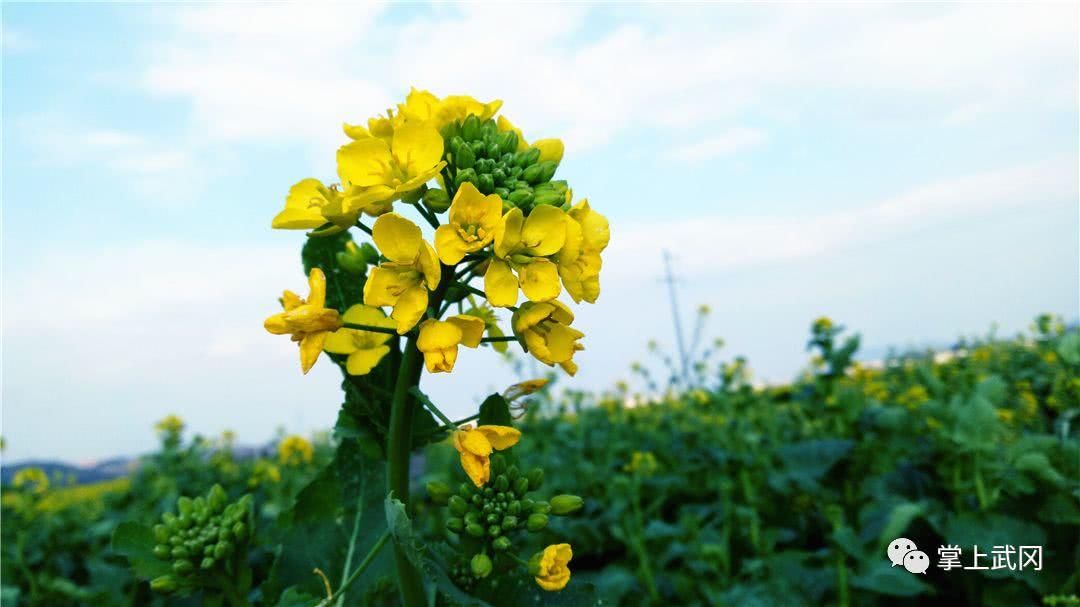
<point>540,280</point>
<point>385,285</point>
<point>397,238</point>
<point>361,362</point>
<point>475,442</point>
<point>500,437</point>
<point>340,342</point>
<point>472,329</point>
<point>451,247</point>
<point>365,162</point>
<point>595,229</point>
<point>500,284</point>
<point>310,348</point>
<point>317,284</point>
<point>410,307</point>
<point>478,468</point>
<point>276,324</point>
<point>544,232</point>
<point>428,261</point>
<point>297,219</point>
<point>550,149</point>
<point>417,148</point>
<point>508,232</point>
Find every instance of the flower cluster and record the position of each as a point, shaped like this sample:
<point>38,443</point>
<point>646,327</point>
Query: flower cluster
<point>508,221</point>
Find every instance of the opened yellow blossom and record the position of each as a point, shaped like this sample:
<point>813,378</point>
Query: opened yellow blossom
<point>375,171</point>
<point>471,226</point>
<point>439,340</point>
<point>523,245</point>
<point>364,348</point>
<point>404,281</point>
<point>295,451</point>
<point>587,235</point>
<point>34,480</point>
<point>550,149</point>
<point>311,205</point>
<point>170,424</point>
<point>476,444</point>
<point>308,321</point>
<point>424,107</point>
<point>544,329</point>
<point>550,567</point>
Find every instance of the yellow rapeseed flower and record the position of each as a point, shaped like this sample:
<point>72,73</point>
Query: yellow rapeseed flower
<point>170,424</point>
<point>404,281</point>
<point>587,235</point>
<point>295,450</point>
<point>544,329</point>
<point>439,340</point>
<point>476,444</point>
<point>523,245</point>
<point>33,480</point>
<point>375,172</point>
<point>550,149</point>
<point>550,568</point>
<point>310,205</point>
<point>364,348</point>
<point>309,322</point>
<point>472,222</point>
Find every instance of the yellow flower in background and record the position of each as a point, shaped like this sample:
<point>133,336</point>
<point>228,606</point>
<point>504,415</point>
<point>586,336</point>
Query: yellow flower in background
<point>295,451</point>
<point>34,480</point>
<point>439,340</point>
<point>544,329</point>
<point>170,424</point>
<point>549,567</point>
<point>476,444</point>
<point>643,463</point>
<point>309,322</point>
<point>310,205</point>
<point>264,471</point>
<point>550,149</point>
<point>364,348</point>
<point>375,171</point>
<point>522,245</point>
<point>404,281</point>
<point>472,222</point>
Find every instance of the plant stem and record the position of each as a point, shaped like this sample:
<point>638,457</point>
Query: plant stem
<point>398,452</point>
<point>488,340</point>
<point>415,391</point>
<point>340,594</point>
<point>363,227</point>
<point>427,216</point>
<point>472,289</point>
<point>372,328</point>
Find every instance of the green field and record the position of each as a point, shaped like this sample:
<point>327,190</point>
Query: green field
<point>702,490</point>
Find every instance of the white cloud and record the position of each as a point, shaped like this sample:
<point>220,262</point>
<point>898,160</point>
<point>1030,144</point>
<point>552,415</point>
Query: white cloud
<point>709,244</point>
<point>725,143</point>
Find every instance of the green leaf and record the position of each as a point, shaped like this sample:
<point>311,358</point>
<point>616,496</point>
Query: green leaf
<point>343,288</point>
<point>296,598</point>
<point>1069,348</point>
<point>397,520</point>
<point>495,411</point>
<point>136,542</point>
<point>899,518</point>
<point>882,578</point>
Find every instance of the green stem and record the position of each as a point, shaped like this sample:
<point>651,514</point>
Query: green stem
<point>980,488</point>
<point>352,546</point>
<point>415,391</point>
<point>372,328</point>
<point>469,268</point>
<point>398,452</point>
<point>472,289</point>
<point>841,579</point>
<point>363,227</point>
<point>488,340</point>
<point>340,594</point>
<point>427,216</point>
<point>455,425</point>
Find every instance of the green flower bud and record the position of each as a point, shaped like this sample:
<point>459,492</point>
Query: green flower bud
<point>457,505</point>
<point>464,158</point>
<point>562,505</point>
<point>485,183</point>
<point>541,507</point>
<point>179,552</point>
<point>164,584</point>
<point>176,540</point>
<point>514,507</point>
<point>161,533</point>
<point>488,129</point>
<point>527,158</point>
<point>493,150</point>
<point>239,530</point>
<point>508,142</point>
<point>494,530</point>
<point>532,174</point>
<point>536,522</point>
<point>456,142</point>
<point>527,505</point>
<point>498,464</point>
<point>162,551</point>
<point>455,524</point>
<point>437,200</point>
<point>512,473</point>
<point>534,563</point>
<point>414,196</point>
<point>440,492</point>
<point>183,506</point>
<point>501,484</point>
<point>221,549</point>
<point>502,192</point>
<point>547,170</point>
<point>477,499</point>
<point>509,522</point>
<point>465,490</point>
<point>470,128</point>
<point>465,175</point>
<point>521,197</point>
<point>183,567</point>
<point>487,508</point>
<point>549,198</point>
<point>501,543</point>
<point>480,565</point>
<point>206,563</point>
<point>474,530</point>
<point>536,478</point>
<point>198,504</point>
<point>170,521</point>
<point>521,486</point>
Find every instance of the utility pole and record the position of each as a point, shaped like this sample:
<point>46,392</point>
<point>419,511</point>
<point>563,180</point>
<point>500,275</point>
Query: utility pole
<point>669,278</point>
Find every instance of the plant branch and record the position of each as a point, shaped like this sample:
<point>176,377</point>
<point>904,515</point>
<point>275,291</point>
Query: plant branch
<point>372,328</point>
<point>415,390</point>
<point>488,340</point>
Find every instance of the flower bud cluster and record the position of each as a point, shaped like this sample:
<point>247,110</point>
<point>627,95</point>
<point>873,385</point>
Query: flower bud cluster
<point>200,537</point>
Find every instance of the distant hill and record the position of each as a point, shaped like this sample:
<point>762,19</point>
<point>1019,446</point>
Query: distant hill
<point>101,471</point>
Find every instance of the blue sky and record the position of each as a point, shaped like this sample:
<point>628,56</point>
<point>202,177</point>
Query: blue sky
<point>910,170</point>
